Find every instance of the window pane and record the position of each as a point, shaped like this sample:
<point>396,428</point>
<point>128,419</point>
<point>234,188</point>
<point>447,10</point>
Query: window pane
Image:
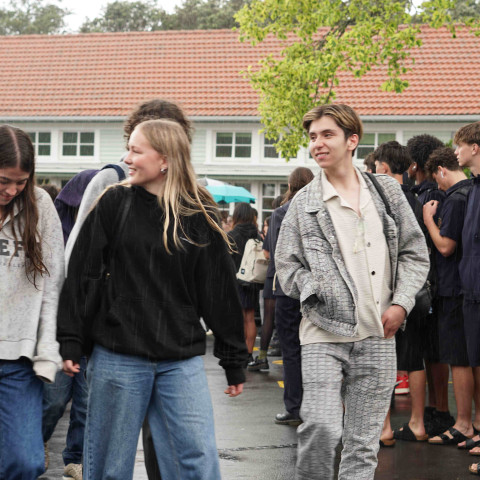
<point>368,139</point>
<point>243,138</point>
<point>224,138</point>
<point>242,152</point>
<point>267,203</point>
<point>268,190</point>
<point>362,152</point>
<point>86,150</point>
<point>87,137</point>
<point>32,136</point>
<point>283,187</point>
<point>270,152</point>
<point>223,151</point>
<point>385,137</point>
<point>44,137</point>
<point>70,137</point>
<point>44,150</point>
<point>69,150</point>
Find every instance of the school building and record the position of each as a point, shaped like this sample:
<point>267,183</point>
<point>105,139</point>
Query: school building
<point>73,92</point>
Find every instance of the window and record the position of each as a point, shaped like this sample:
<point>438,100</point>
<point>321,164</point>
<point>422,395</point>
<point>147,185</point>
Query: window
<point>78,144</point>
<point>42,142</point>
<point>370,141</point>
<point>270,191</point>
<point>233,145</point>
<point>269,150</point>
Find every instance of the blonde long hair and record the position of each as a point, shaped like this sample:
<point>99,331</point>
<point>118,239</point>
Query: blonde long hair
<point>182,196</point>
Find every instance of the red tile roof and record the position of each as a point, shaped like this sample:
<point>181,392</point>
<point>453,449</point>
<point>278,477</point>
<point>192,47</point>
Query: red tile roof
<point>107,74</point>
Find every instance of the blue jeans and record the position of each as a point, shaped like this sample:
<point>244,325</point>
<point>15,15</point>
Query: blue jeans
<point>55,399</point>
<point>21,446</point>
<point>123,389</point>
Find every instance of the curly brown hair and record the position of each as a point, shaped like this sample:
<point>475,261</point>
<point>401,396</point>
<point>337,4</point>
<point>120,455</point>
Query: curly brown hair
<point>158,109</point>
<point>442,157</point>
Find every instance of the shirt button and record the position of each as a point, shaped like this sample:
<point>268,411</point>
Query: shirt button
<point>373,273</point>
<point>368,244</point>
<point>378,302</point>
<point>475,236</point>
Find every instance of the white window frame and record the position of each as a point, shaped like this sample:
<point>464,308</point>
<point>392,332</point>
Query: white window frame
<point>36,142</point>
<point>234,144</point>
<point>376,142</point>
<point>78,144</point>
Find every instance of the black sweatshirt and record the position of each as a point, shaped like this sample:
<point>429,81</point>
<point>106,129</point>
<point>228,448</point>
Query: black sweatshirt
<point>158,297</point>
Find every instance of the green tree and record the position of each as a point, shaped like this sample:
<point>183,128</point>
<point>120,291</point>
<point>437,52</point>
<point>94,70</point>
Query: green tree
<point>321,38</point>
<point>125,16</point>
<point>24,17</point>
<point>465,9</point>
<point>203,14</point>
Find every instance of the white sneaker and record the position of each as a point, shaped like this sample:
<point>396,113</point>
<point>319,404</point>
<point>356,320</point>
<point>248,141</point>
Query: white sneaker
<point>73,471</point>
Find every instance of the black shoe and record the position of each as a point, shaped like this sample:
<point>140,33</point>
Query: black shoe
<point>287,419</point>
<point>440,423</point>
<point>258,365</point>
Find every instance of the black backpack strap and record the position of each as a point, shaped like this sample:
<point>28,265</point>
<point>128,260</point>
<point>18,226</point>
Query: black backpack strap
<point>380,191</point>
<point>120,171</point>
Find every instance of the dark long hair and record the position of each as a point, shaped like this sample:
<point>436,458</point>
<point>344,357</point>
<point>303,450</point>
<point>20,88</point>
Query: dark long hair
<point>299,177</point>
<point>16,150</point>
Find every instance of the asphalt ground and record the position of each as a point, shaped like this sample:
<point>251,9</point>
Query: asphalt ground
<point>251,446</point>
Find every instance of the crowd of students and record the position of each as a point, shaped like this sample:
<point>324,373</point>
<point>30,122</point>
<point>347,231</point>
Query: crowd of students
<point>151,255</point>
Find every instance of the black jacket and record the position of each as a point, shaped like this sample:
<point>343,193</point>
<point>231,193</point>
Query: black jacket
<point>158,297</point>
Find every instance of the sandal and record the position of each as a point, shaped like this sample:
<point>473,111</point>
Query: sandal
<point>406,434</point>
<point>469,444</point>
<point>444,439</point>
<point>387,443</point>
<point>475,454</point>
<point>474,468</point>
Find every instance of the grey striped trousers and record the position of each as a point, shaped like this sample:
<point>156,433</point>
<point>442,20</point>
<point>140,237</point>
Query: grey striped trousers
<point>358,376</point>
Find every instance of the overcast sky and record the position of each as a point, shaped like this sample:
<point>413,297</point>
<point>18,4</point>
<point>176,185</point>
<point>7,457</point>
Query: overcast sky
<point>91,8</point>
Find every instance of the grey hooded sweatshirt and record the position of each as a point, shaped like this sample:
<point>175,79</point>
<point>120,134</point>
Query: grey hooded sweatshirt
<point>28,313</point>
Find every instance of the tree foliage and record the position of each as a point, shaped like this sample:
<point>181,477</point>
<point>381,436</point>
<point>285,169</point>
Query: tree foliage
<point>203,14</point>
<point>125,16</point>
<point>320,39</point>
<point>23,17</point>
<point>145,15</point>
<point>465,9</point>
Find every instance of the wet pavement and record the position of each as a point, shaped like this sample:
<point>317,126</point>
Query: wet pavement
<point>251,446</point>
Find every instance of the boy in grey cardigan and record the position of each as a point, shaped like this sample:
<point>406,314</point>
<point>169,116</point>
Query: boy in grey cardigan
<point>356,271</point>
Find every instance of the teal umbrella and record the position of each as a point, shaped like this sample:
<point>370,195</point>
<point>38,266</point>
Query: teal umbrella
<point>230,193</point>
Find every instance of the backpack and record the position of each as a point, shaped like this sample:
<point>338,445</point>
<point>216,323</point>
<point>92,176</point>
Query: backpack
<point>253,267</point>
<point>68,200</point>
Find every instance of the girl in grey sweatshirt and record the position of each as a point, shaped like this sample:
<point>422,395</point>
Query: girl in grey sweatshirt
<point>31,276</point>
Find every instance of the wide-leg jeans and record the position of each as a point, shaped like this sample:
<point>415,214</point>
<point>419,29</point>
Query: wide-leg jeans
<point>174,395</point>
<point>21,446</point>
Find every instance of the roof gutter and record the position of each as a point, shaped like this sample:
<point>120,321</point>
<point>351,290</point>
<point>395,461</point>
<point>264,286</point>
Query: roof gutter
<point>244,118</point>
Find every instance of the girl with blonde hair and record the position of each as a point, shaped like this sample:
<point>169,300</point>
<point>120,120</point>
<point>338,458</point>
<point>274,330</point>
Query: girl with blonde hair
<point>169,265</point>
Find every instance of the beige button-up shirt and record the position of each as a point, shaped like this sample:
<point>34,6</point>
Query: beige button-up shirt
<point>365,253</point>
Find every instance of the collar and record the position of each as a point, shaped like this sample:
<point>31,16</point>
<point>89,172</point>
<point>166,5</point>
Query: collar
<point>460,184</point>
<point>330,192</point>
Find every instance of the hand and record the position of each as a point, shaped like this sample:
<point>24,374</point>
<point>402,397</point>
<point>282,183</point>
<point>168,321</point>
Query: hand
<point>70,368</point>
<point>430,209</point>
<point>392,318</point>
<point>234,390</point>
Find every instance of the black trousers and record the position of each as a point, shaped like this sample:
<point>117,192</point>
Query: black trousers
<point>287,322</point>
